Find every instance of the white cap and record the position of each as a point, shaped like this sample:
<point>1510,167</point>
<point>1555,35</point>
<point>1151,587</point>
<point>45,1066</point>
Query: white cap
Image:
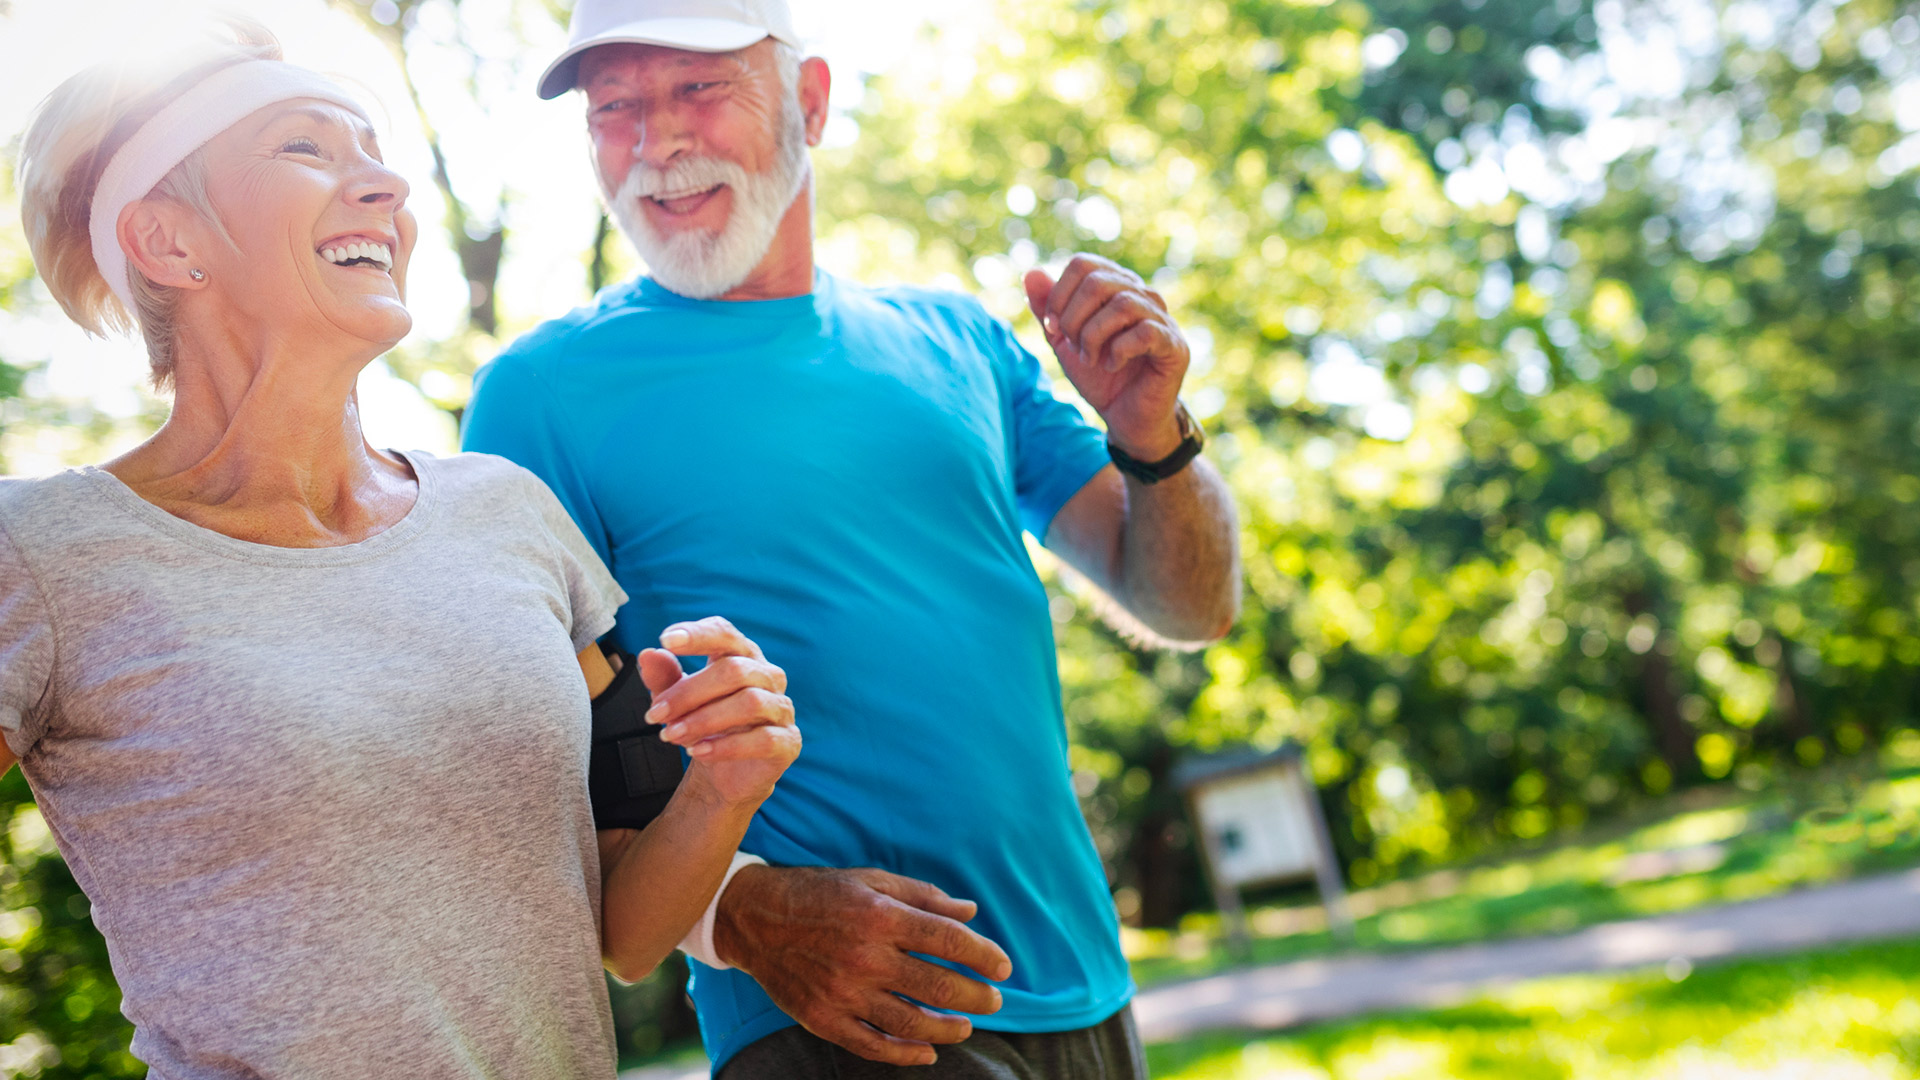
<point>694,25</point>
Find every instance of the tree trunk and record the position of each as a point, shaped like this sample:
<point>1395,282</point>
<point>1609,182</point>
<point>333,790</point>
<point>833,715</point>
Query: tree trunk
<point>599,267</point>
<point>1672,735</point>
<point>1157,863</point>
<point>477,242</point>
<point>1789,704</point>
<point>480,261</point>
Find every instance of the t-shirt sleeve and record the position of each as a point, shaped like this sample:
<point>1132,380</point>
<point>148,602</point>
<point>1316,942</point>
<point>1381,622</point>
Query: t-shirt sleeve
<point>593,596</point>
<point>26,651</point>
<point>513,414</point>
<point>1055,451</point>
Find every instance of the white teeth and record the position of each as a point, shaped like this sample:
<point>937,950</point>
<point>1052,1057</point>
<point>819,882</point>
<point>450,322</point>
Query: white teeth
<point>380,254</point>
<point>678,195</point>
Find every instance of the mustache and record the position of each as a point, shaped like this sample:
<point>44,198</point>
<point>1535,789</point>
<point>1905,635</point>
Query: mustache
<point>687,176</point>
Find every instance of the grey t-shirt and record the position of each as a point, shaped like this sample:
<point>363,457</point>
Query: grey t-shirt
<point>330,805</point>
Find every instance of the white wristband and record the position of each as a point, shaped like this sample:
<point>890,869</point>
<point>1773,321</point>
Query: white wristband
<point>699,941</point>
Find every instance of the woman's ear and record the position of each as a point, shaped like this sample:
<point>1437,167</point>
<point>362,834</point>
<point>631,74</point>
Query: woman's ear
<point>154,236</point>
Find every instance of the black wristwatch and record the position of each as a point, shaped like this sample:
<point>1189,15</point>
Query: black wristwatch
<point>1192,441</point>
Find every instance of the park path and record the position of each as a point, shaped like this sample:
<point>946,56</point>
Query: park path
<point>1304,991</point>
<point>1284,995</point>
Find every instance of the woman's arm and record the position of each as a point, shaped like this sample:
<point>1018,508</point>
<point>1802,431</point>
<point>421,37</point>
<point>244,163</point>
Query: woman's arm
<point>737,725</point>
<point>598,670</point>
<point>656,883</point>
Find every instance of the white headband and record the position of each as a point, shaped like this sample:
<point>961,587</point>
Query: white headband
<point>218,102</point>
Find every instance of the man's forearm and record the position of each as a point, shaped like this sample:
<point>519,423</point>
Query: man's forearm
<point>1179,555</point>
<point>1167,552</point>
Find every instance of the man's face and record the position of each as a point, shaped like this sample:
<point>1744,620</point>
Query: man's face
<point>698,154</point>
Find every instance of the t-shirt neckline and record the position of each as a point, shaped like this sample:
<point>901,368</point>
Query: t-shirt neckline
<point>393,536</point>
<point>785,307</point>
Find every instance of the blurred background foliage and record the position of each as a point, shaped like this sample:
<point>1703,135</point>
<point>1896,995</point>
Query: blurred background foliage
<point>1560,355</point>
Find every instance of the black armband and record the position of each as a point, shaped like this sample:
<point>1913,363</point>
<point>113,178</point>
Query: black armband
<point>632,774</point>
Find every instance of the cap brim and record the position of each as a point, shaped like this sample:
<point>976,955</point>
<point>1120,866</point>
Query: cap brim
<point>694,35</point>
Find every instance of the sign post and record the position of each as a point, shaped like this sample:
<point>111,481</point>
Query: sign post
<point>1260,823</point>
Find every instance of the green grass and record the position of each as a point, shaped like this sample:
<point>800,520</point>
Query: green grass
<point>1713,845</point>
<point>1848,1014</point>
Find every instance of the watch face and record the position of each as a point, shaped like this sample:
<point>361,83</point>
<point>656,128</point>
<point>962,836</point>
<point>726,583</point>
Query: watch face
<point>1189,427</point>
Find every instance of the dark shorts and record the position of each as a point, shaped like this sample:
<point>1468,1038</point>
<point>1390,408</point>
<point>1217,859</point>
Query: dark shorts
<point>1109,1050</point>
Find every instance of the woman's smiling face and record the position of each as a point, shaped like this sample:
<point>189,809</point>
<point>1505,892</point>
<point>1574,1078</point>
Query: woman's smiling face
<point>320,229</point>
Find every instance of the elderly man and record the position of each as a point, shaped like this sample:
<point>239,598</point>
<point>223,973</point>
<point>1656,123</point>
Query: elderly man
<point>846,473</point>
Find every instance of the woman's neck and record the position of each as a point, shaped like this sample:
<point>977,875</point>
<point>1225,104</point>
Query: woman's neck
<point>266,446</point>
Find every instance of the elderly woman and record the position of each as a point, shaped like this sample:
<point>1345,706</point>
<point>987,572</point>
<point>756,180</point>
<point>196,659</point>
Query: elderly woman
<point>309,720</point>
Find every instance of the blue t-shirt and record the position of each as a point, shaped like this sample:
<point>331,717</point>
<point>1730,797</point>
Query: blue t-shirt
<point>846,476</point>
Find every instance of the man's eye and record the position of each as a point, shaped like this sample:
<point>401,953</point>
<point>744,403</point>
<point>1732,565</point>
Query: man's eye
<point>695,88</point>
<point>300,146</point>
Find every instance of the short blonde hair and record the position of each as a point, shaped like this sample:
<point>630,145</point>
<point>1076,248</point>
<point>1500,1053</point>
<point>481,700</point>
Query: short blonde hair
<point>74,134</point>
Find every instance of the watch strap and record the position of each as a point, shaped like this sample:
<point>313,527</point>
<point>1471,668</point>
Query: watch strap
<point>1192,441</point>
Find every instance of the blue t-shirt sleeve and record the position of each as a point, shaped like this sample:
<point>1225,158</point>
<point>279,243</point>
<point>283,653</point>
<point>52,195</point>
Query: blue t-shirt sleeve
<point>513,414</point>
<point>1055,451</point>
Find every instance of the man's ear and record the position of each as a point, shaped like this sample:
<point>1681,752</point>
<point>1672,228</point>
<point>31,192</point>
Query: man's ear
<point>153,235</point>
<point>816,85</point>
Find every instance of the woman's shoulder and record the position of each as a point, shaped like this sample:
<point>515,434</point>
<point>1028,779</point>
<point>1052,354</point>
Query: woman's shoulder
<point>472,473</point>
<point>38,503</point>
<point>49,522</point>
<point>487,484</point>
<point>502,499</point>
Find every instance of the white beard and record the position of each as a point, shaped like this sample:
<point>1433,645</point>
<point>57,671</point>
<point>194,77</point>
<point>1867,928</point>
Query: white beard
<point>704,264</point>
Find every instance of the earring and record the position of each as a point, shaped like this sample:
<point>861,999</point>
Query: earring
<point>197,274</point>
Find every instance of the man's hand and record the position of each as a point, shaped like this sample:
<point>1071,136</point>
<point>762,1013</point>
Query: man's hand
<point>830,947</point>
<point>733,716</point>
<point>1119,347</point>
